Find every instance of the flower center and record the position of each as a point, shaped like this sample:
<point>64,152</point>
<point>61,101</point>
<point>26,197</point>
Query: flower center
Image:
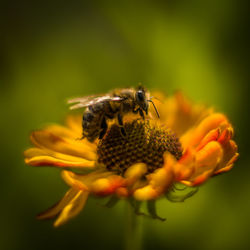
<point>144,142</point>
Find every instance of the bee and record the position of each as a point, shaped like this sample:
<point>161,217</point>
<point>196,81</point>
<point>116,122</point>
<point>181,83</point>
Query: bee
<point>110,106</point>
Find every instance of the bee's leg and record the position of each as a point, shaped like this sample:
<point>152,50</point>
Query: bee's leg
<point>81,138</point>
<point>104,128</point>
<point>123,132</point>
<point>142,114</point>
<point>136,110</point>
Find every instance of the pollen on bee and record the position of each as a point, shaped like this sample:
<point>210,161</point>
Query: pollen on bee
<point>145,142</point>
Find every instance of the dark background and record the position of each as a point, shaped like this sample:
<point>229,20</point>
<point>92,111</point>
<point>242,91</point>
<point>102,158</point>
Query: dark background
<point>52,50</point>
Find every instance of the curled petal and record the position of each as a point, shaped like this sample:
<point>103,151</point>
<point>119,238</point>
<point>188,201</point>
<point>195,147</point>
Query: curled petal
<point>58,207</point>
<point>107,186</point>
<point>146,193</point>
<point>226,135</point>
<point>211,122</point>
<point>135,172</point>
<point>70,178</point>
<point>159,181</point>
<point>209,156</point>
<point>210,136</point>
<point>73,208</point>
<point>205,163</point>
<point>83,181</point>
<point>185,167</point>
<point>230,156</point>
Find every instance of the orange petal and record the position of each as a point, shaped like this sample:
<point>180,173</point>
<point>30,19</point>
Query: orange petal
<point>122,192</point>
<point>206,161</point>
<point>209,156</point>
<point>183,103</point>
<point>210,136</point>
<point>230,155</point>
<point>184,168</point>
<point>226,135</point>
<point>199,179</point>
<point>211,122</point>
<point>228,166</point>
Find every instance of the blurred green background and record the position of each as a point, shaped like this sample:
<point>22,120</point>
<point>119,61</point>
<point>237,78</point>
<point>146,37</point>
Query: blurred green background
<point>52,50</point>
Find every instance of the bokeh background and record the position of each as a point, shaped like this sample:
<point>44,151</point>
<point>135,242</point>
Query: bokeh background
<point>52,50</point>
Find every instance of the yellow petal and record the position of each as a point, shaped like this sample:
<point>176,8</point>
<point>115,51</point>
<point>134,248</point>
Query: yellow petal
<point>159,181</point>
<point>83,181</point>
<point>161,178</point>
<point>73,208</point>
<point>146,193</point>
<point>135,172</point>
<point>108,185</point>
<point>71,180</point>
<point>74,122</point>
<point>54,210</point>
<point>61,131</point>
<point>45,160</point>
<point>34,152</point>
<point>51,141</point>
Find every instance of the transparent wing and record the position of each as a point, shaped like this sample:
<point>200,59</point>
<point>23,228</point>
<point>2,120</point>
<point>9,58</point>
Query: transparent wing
<point>81,102</point>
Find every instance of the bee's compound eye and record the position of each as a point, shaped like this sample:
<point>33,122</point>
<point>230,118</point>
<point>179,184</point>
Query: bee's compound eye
<point>140,96</point>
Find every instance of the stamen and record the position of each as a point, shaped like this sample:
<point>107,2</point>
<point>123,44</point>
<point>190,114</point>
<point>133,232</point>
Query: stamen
<point>145,142</point>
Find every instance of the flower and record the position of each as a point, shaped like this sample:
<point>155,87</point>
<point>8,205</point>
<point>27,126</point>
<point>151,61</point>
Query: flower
<point>187,145</point>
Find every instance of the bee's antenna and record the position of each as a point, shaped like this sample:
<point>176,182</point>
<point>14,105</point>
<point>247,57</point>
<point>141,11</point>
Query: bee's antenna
<point>154,108</point>
<point>151,97</point>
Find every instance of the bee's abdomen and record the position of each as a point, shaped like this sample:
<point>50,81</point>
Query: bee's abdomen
<point>90,125</point>
<point>96,108</point>
<point>92,118</point>
<point>88,117</point>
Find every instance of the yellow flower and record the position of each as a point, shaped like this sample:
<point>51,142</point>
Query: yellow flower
<point>188,144</point>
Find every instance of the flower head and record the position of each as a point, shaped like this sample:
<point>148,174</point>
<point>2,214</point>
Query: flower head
<point>188,144</point>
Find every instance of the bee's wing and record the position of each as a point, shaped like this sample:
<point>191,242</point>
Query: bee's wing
<point>85,101</point>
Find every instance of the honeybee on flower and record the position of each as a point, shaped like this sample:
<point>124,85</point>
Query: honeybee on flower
<point>109,106</point>
<point>189,144</point>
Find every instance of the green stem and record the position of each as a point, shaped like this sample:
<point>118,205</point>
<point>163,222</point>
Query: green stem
<point>133,229</point>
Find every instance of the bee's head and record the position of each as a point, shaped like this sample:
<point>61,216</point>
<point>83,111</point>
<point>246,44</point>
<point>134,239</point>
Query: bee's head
<point>141,99</point>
